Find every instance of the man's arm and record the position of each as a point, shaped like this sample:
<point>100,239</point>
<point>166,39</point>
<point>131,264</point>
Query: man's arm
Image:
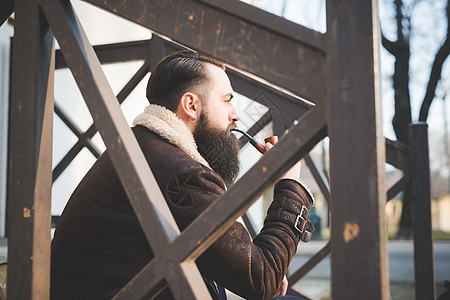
<point>252,269</point>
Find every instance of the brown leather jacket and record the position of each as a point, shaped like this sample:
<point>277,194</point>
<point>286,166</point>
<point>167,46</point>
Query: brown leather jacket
<point>99,245</point>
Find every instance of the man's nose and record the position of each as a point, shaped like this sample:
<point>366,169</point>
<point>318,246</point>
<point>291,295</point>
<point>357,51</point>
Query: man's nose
<point>233,115</point>
<point>233,118</point>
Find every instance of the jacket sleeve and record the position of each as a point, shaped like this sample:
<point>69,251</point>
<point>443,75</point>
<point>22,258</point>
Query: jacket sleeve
<point>251,269</point>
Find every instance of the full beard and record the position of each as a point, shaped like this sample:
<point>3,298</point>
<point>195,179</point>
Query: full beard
<point>220,148</point>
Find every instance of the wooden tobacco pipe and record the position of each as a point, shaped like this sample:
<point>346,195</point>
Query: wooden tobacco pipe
<point>260,147</point>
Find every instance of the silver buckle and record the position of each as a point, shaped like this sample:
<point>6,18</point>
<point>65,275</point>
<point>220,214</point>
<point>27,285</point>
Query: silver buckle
<point>301,220</point>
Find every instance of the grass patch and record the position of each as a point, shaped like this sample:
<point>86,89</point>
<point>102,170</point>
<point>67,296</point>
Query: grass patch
<point>441,235</point>
<point>438,235</point>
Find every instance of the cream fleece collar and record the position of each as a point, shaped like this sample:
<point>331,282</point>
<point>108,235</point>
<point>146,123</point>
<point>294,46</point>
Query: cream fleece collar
<point>167,125</point>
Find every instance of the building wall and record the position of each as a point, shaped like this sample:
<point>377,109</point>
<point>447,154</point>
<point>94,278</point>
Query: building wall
<point>443,213</point>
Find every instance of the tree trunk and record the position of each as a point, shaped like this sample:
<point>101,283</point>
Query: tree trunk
<point>401,121</point>
<point>402,116</point>
<point>405,226</point>
<point>400,49</point>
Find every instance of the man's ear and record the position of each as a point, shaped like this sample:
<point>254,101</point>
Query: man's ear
<point>189,106</point>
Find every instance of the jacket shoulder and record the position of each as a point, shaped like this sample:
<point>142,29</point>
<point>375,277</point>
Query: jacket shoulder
<point>162,155</point>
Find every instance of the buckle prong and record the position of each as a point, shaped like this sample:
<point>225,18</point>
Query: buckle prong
<point>301,219</point>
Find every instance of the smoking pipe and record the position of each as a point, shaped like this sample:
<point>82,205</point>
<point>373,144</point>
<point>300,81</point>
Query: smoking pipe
<point>252,140</point>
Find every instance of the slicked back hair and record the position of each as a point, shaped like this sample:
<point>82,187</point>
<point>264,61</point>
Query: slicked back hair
<point>177,74</point>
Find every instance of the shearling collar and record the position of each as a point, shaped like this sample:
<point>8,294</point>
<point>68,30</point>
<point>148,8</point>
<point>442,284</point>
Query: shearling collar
<point>166,124</point>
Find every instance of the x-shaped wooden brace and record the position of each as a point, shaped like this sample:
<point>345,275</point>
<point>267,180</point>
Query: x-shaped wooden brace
<point>175,253</point>
<point>238,37</point>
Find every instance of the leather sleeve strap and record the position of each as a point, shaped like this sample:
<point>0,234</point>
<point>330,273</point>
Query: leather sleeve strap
<point>291,213</point>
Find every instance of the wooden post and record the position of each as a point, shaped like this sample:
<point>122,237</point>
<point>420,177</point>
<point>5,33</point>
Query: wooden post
<point>359,257</point>
<point>421,209</point>
<point>30,155</point>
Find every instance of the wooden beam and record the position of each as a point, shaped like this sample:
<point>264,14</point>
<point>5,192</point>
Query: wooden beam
<point>30,155</point>
<point>245,40</point>
<point>425,284</point>
<point>359,257</point>
<point>134,173</point>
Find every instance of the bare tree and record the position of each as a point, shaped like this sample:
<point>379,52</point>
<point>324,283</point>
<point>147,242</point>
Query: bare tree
<point>401,50</point>
<point>436,70</point>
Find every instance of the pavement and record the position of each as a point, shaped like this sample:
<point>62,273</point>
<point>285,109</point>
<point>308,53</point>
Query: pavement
<point>316,284</point>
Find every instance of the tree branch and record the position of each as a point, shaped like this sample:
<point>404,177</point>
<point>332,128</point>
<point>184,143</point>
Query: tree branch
<point>399,17</point>
<point>436,69</point>
<point>388,45</point>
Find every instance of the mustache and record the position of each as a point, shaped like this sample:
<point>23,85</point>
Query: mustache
<point>232,126</point>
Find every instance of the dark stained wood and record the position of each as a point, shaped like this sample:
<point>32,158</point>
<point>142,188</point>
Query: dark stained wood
<point>6,9</point>
<point>108,118</point>
<point>272,22</point>
<point>238,40</point>
<point>320,179</point>
<point>113,53</point>
<point>42,204</point>
<point>30,155</point>
<point>398,155</point>
<point>359,258</point>
<point>139,183</point>
<point>310,264</point>
<point>398,187</point>
<point>92,130</point>
<point>283,107</point>
<point>87,142</point>
<point>286,54</point>
<point>425,284</point>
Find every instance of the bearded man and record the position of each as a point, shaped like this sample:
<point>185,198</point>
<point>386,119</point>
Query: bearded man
<point>185,136</point>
